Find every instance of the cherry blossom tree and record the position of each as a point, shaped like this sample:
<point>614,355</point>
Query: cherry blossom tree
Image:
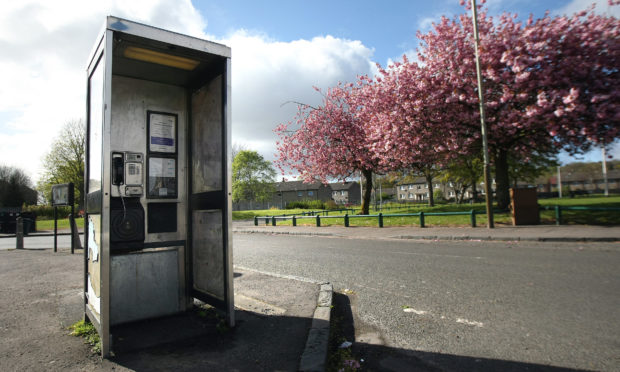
<point>333,140</point>
<point>549,84</point>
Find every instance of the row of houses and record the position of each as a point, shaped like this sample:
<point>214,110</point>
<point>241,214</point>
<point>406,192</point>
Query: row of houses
<point>292,191</point>
<point>417,190</point>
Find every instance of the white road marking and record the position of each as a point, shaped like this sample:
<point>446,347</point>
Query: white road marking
<point>469,322</point>
<point>439,255</point>
<point>418,312</point>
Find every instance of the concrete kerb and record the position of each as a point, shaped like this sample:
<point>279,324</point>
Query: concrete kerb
<point>442,237</point>
<point>271,232</point>
<point>508,239</point>
<point>314,356</point>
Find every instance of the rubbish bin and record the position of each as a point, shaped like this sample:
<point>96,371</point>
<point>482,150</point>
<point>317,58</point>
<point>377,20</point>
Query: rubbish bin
<point>524,205</point>
<point>29,222</point>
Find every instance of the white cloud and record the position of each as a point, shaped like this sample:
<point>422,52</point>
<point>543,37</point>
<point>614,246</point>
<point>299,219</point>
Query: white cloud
<point>267,73</point>
<point>602,7</point>
<point>45,49</point>
<point>45,46</point>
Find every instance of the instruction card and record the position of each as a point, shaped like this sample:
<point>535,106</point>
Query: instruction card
<point>162,132</point>
<point>162,177</point>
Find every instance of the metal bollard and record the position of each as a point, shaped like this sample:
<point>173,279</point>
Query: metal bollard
<point>473,218</point>
<point>255,221</point>
<point>346,220</point>
<point>294,221</point>
<point>421,219</point>
<point>558,215</point>
<point>380,219</point>
<point>19,233</point>
<point>273,220</point>
<point>318,221</point>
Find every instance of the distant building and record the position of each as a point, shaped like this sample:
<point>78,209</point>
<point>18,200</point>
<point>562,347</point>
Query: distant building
<point>346,192</point>
<point>287,192</point>
<point>579,183</point>
<point>291,191</point>
<point>416,190</point>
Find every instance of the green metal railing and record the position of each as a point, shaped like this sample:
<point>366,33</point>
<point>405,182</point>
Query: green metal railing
<point>323,214</point>
<point>380,217</point>
<point>558,210</point>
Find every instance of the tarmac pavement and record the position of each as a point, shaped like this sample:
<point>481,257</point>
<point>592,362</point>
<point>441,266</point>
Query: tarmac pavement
<point>282,324</point>
<point>551,233</point>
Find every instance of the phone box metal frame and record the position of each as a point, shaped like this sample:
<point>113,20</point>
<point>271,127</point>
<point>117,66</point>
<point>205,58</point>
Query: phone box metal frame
<point>158,158</point>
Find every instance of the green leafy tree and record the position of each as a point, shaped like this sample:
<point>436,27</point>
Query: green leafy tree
<point>65,162</point>
<point>15,187</point>
<point>464,172</point>
<point>253,177</point>
<point>527,170</point>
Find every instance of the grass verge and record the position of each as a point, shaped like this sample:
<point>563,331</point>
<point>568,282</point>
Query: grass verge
<point>546,216</point>
<point>62,224</point>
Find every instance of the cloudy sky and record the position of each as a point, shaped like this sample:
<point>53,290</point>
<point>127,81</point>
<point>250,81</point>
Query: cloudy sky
<point>280,50</point>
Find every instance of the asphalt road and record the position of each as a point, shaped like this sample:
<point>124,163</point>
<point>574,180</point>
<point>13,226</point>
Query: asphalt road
<point>496,306</point>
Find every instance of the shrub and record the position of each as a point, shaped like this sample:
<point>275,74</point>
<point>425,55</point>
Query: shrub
<point>438,196</point>
<point>305,204</point>
<point>46,212</point>
<point>331,205</point>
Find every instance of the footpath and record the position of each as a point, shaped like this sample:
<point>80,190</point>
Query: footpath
<point>282,323</point>
<point>542,233</point>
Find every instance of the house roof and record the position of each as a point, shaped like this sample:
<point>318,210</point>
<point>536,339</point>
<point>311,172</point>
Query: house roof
<point>414,181</point>
<point>337,186</point>
<point>613,174</point>
<point>297,186</point>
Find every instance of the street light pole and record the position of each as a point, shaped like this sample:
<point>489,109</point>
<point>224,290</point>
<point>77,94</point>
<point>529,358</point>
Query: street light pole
<point>605,181</point>
<point>485,145</point>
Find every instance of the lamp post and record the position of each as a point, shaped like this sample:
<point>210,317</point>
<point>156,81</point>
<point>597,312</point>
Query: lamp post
<point>605,181</point>
<point>485,146</point>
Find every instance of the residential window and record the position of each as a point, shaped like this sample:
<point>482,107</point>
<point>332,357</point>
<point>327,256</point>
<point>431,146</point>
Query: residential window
<point>403,187</point>
<point>300,193</point>
<point>310,193</point>
<point>419,187</point>
<point>410,195</point>
<point>411,186</point>
<point>436,185</point>
<point>402,196</point>
<point>426,186</point>
<point>343,193</point>
<point>451,193</point>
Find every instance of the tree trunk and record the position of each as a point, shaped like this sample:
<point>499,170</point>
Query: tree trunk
<point>461,195</point>
<point>367,190</point>
<point>502,182</point>
<point>431,197</point>
<point>474,192</point>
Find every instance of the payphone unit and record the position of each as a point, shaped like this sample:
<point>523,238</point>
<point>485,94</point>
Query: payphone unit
<point>127,174</point>
<point>158,208</point>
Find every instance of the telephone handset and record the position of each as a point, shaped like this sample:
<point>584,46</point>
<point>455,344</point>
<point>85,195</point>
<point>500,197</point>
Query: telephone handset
<point>127,177</point>
<point>118,169</point>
